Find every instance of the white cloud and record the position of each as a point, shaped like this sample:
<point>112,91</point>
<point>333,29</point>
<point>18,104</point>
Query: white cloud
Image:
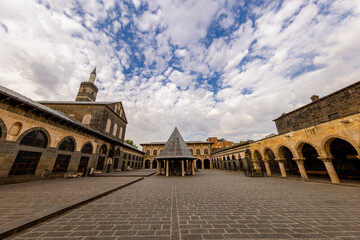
<point>271,63</point>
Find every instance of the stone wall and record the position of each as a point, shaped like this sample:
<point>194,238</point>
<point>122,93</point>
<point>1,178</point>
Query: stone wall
<point>339,104</point>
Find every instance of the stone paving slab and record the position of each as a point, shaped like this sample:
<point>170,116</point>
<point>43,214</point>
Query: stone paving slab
<point>132,173</point>
<point>212,205</point>
<point>26,204</point>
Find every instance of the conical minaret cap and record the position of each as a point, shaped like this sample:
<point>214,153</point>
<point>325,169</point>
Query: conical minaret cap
<point>175,147</point>
<point>92,76</point>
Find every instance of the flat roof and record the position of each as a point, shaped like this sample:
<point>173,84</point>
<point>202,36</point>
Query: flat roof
<point>37,105</point>
<point>320,99</point>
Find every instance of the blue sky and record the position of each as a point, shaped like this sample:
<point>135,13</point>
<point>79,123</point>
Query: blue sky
<point>212,68</point>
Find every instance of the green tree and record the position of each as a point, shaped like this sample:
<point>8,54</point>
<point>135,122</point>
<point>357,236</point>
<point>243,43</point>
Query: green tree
<point>131,142</point>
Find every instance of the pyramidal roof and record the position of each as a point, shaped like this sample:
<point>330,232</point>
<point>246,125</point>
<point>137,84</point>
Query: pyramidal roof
<point>175,147</point>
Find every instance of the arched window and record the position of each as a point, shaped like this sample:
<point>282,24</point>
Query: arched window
<point>120,132</point>
<point>35,138</point>
<point>103,149</point>
<point>124,156</point>
<point>108,125</point>
<point>86,119</point>
<point>206,151</point>
<point>67,145</point>
<point>115,129</point>
<point>87,148</point>
<point>15,129</point>
<point>155,152</point>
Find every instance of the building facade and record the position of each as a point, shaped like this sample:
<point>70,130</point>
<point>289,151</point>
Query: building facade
<point>219,143</point>
<point>39,142</point>
<point>237,157</point>
<point>321,138</point>
<point>200,150</point>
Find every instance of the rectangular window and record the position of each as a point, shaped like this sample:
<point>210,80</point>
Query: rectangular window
<point>198,151</point>
<point>25,163</point>
<point>61,164</point>
<point>147,152</point>
<point>206,151</point>
<point>100,163</point>
<point>296,127</point>
<point>333,116</point>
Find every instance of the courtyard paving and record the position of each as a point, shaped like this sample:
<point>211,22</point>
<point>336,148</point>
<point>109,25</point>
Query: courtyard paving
<point>26,202</point>
<point>212,205</point>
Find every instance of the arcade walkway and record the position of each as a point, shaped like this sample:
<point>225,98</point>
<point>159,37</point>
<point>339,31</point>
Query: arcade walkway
<point>212,205</point>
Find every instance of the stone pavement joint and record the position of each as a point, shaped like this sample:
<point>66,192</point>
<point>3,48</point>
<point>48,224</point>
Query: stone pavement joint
<point>34,219</point>
<point>211,205</point>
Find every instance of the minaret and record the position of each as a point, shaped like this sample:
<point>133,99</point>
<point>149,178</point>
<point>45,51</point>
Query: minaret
<point>88,90</point>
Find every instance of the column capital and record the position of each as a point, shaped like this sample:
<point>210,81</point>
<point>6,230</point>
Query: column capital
<point>280,159</point>
<point>302,159</point>
<point>326,159</point>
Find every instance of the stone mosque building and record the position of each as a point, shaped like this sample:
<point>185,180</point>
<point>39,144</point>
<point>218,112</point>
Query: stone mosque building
<point>49,139</point>
<point>40,140</point>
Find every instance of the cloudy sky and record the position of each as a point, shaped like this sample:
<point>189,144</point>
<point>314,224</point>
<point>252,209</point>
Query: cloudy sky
<point>213,68</point>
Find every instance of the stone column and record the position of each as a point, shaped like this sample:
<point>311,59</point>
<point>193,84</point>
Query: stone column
<point>158,168</point>
<point>330,169</point>
<point>282,166</point>
<point>193,167</point>
<point>202,164</point>
<point>267,166</point>
<point>182,167</point>
<point>302,170</point>
<point>167,168</point>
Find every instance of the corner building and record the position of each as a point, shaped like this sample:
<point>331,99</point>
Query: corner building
<point>321,138</point>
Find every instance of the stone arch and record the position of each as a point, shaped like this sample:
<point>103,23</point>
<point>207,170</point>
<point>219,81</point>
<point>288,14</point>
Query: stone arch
<point>269,155</point>
<point>233,157</point>
<point>257,155</point>
<point>87,148</point>
<point>199,164</point>
<point>325,144</point>
<point>86,119</point>
<point>43,130</point>
<point>280,148</point>
<point>300,145</point>
<point>103,149</point>
<point>285,153</point>
<point>345,158</point>
<point>207,164</point>
<point>3,129</point>
<point>154,164</point>
<point>258,159</point>
<point>26,162</point>
<point>68,138</point>
<point>15,129</point>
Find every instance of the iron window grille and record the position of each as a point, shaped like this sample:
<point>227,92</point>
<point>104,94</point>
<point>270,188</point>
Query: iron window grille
<point>35,139</point>
<point>25,163</point>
